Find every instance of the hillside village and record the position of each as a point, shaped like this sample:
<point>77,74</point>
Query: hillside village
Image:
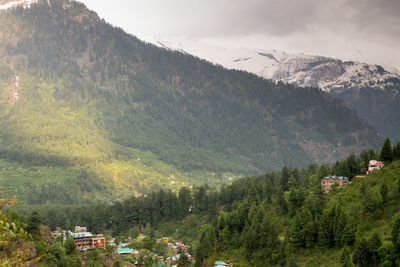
<point>175,252</point>
<point>229,225</point>
<point>115,152</point>
<point>332,181</point>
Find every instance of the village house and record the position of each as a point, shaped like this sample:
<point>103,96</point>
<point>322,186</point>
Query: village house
<point>220,264</point>
<point>83,240</point>
<point>123,249</point>
<point>62,233</point>
<point>111,242</point>
<point>328,181</point>
<point>99,242</point>
<point>374,165</point>
<point>80,229</point>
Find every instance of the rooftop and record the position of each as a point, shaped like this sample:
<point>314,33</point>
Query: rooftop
<point>81,235</point>
<point>334,177</point>
<point>374,163</point>
<point>124,251</point>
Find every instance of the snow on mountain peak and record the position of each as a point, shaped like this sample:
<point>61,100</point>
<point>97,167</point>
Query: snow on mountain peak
<point>299,69</point>
<point>24,3</point>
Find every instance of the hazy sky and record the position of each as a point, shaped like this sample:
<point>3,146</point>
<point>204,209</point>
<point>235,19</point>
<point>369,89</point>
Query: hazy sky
<point>367,30</point>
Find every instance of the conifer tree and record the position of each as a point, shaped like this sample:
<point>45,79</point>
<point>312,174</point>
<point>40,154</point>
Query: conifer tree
<point>252,195</point>
<point>362,254</point>
<point>268,191</point>
<point>34,223</point>
<point>396,235</point>
<point>386,154</point>
<point>303,232</point>
<point>396,151</point>
<point>283,248</point>
<point>296,200</point>
<point>323,171</point>
<point>375,241</point>
<point>327,228</point>
<point>282,202</point>
<point>340,223</point>
<point>185,200</point>
<point>260,235</point>
<point>285,176</point>
<point>352,165</point>
<point>349,232</point>
<point>384,193</point>
<point>206,244</point>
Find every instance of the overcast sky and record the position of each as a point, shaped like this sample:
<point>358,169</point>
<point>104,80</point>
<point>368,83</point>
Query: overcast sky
<point>367,30</point>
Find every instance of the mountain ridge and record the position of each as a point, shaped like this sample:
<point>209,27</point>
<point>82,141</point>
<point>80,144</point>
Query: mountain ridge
<point>94,97</point>
<point>371,90</point>
<point>281,66</point>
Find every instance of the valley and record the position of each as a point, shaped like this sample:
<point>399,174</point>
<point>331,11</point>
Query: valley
<point>93,98</point>
<point>116,151</point>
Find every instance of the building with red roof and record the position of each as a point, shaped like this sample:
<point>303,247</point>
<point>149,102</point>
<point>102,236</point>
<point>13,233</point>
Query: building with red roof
<point>374,165</point>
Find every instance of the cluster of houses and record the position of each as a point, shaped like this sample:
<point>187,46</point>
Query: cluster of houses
<point>85,241</point>
<point>328,182</point>
<point>174,248</point>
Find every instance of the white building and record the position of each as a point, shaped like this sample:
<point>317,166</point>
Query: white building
<point>374,165</point>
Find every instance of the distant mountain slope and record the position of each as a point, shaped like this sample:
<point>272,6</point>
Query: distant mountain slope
<point>78,92</point>
<point>372,90</point>
<point>6,4</point>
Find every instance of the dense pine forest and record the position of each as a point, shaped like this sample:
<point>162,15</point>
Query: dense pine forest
<point>279,218</point>
<point>110,114</point>
<point>142,144</point>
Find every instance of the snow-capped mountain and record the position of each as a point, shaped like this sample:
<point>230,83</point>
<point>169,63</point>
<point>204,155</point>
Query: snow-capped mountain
<point>371,90</point>
<point>299,69</point>
<point>11,4</point>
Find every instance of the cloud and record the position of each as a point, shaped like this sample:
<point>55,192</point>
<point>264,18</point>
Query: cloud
<point>273,17</point>
<point>375,23</point>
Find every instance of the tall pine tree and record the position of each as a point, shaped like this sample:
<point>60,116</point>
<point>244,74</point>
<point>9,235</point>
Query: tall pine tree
<point>362,254</point>
<point>396,235</point>
<point>386,154</point>
<point>396,151</point>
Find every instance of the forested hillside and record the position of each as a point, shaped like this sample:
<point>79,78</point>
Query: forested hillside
<point>276,219</point>
<point>371,90</point>
<point>82,96</point>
